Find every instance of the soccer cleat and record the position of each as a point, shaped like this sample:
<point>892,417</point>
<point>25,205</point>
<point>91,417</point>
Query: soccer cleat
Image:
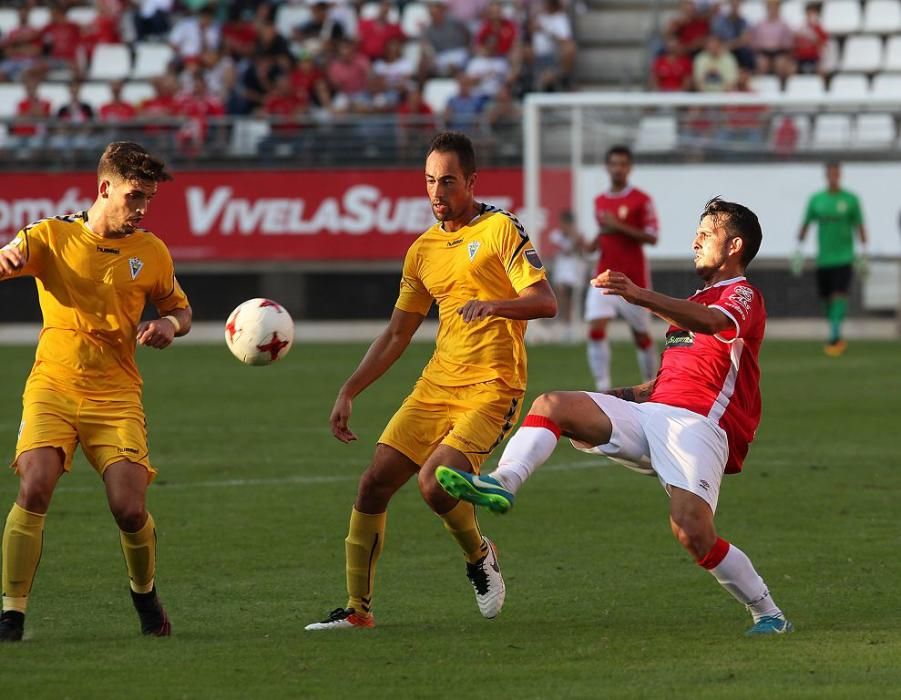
<point>12,626</point>
<point>485,577</point>
<point>154,620</point>
<point>771,624</point>
<point>484,491</point>
<point>836,349</point>
<point>341,619</point>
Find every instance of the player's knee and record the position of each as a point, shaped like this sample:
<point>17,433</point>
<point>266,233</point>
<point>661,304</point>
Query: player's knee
<point>548,405</point>
<point>130,515</point>
<point>374,490</point>
<point>431,490</point>
<point>34,495</point>
<point>695,534</point>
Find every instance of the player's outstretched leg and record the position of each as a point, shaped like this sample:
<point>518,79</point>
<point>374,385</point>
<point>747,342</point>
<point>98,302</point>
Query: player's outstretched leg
<point>485,491</point>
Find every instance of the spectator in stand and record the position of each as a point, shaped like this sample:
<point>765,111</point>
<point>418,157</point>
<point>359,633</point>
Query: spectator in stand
<point>689,27</point>
<point>465,109</point>
<point>286,106</point>
<point>743,125</point>
<point>151,19</point>
<point>322,30</point>
<point>445,41</point>
<point>309,78</point>
<point>33,112</point>
<point>61,38</point>
<point>553,46</point>
<point>198,107</point>
<point>21,49</point>
<point>213,63</point>
<point>498,27</point>
<point>375,33</point>
<point>469,12</point>
<point>348,73</point>
<point>715,69</point>
<point>504,119</point>
<point>672,70</point>
<point>258,79</point>
<point>239,33</point>
<point>162,105</point>
<point>117,109</point>
<point>395,68</point>
<point>488,70</point>
<point>773,41</point>
<point>415,124</point>
<point>195,33</point>
<point>271,43</point>
<point>72,128</point>
<point>735,33</point>
<point>75,111</point>
<point>810,41</point>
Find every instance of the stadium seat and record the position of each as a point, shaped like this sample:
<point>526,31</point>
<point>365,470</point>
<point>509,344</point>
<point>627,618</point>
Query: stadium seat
<point>862,54</point>
<point>136,92</point>
<point>9,20</point>
<point>11,94</point>
<point>887,85</point>
<point>849,85</point>
<point>892,54</point>
<point>38,17</point>
<point>874,131</point>
<point>289,17</point>
<point>110,62</point>
<point>246,136</point>
<point>4,135</point>
<point>151,60</point>
<point>413,52</point>
<point>792,13</point>
<point>753,11</point>
<point>57,94</point>
<point>829,59</point>
<point>438,91</point>
<point>415,19</point>
<point>370,10</point>
<point>831,131</point>
<point>84,16</point>
<point>766,85</point>
<point>882,17</point>
<point>810,86</point>
<point>656,134</point>
<point>841,16</point>
<point>96,95</point>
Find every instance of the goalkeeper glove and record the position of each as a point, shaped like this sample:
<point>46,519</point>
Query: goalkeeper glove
<point>797,263</point>
<point>862,265</point>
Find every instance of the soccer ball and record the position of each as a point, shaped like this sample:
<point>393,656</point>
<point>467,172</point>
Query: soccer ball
<point>259,332</point>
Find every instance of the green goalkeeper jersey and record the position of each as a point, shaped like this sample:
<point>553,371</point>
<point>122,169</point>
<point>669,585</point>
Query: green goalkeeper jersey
<point>837,215</point>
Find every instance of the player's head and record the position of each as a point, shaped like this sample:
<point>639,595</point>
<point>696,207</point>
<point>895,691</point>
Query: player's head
<point>728,238</point>
<point>450,175</point>
<point>833,174</point>
<point>619,165</point>
<point>127,178</point>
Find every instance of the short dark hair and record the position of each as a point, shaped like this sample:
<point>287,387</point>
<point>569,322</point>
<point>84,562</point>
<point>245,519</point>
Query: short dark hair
<point>455,142</point>
<point>618,150</point>
<point>128,160</point>
<point>833,163</point>
<point>740,222</point>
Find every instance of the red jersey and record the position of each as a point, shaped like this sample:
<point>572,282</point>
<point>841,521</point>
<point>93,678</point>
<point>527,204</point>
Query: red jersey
<point>671,72</point>
<point>118,112</point>
<point>718,376</point>
<point>504,32</point>
<point>618,251</point>
<point>374,35</point>
<point>63,39</point>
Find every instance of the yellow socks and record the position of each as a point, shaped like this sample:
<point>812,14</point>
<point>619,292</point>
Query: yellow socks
<point>139,549</point>
<point>23,540</point>
<point>461,522</point>
<point>363,546</point>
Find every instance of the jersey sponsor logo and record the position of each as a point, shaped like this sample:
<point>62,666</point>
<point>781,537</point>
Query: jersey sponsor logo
<point>111,251</point>
<point>128,451</point>
<point>679,339</point>
<point>533,258</point>
<point>472,249</point>
<point>135,265</point>
<point>741,299</point>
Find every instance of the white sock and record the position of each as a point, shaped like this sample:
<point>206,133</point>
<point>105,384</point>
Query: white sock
<point>736,574</point>
<point>647,361</point>
<point>528,449</point>
<point>599,362</point>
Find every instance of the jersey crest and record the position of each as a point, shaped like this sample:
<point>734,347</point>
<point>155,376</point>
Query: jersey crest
<point>135,265</point>
<point>473,249</point>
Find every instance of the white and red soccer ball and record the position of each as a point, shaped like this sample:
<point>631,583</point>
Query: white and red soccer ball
<point>259,332</point>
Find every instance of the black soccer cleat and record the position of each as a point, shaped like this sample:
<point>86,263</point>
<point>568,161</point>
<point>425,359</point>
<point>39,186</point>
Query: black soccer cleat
<point>12,626</point>
<point>154,620</point>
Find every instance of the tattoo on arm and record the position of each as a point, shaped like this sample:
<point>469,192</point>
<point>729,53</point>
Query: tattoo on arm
<point>635,394</point>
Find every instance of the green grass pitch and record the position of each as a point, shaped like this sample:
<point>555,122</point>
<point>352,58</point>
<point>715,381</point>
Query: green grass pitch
<point>252,504</point>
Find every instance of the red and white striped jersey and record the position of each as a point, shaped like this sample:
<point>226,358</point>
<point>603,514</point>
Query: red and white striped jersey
<point>718,376</point>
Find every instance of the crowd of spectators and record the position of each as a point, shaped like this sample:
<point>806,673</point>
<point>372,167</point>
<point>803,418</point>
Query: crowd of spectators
<point>230,58</point>
<point>708,46</point>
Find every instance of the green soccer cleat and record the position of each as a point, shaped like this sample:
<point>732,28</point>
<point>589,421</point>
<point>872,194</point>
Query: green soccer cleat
<point>770,625</point>
<point>482,491</point>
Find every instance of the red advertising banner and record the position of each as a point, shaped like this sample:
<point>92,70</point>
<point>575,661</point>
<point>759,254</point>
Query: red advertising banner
<point>274,215</point>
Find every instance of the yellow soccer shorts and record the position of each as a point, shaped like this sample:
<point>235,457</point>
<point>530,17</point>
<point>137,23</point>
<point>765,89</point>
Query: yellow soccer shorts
<point>472,419</point>
<point>108,431</point>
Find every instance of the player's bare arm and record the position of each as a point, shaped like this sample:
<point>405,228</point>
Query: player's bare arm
<point>535,301</point>
<point>383,353</point>
<point>160,332</point>
<point>635,394</point>
<point>610,222</point>
<point>11,261</point>
<point>689,315</point>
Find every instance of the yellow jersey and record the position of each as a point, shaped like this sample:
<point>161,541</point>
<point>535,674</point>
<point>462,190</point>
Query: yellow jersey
<point>489,258</point>
<point>92,292</point>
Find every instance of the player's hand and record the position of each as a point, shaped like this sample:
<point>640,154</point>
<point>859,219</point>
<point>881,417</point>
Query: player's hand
<point>339,418</point>
<point>862,265</point>
<point>475,310</point>
<point>797,263</point>
<point>11,260</point>
<point>612,282</point>
<point>158,333</point>
<point>609,222</point>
